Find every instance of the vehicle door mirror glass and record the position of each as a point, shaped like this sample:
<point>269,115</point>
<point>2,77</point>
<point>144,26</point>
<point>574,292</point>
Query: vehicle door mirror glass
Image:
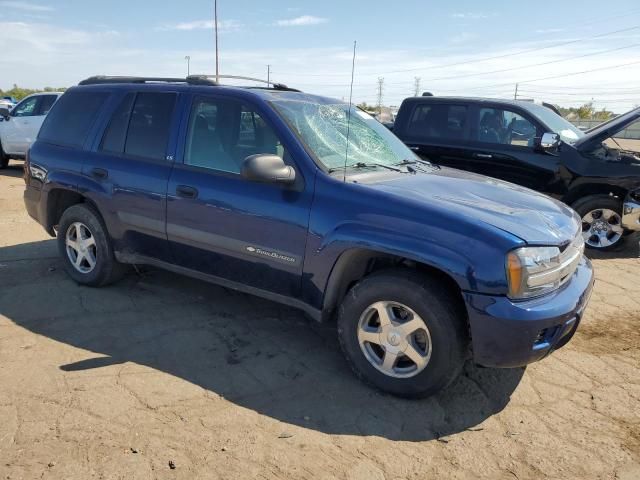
<point>549,142</point>
<point>267,168</point>
<point>4,113</point>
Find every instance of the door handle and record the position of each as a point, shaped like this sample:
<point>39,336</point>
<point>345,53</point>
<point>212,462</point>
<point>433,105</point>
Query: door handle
<point>185,191</point>
<point>483,155</point>
<point>99,173</point>
<point>414,148</point>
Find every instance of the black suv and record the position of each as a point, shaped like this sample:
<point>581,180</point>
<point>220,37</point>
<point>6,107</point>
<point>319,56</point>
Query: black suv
<point>596,172</point>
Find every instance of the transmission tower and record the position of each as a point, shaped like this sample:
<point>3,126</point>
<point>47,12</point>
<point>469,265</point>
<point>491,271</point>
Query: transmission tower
<point>416,86</point>
<point>380,90</point>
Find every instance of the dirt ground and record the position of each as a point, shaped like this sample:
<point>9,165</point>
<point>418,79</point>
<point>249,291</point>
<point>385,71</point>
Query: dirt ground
<point>165,377</point>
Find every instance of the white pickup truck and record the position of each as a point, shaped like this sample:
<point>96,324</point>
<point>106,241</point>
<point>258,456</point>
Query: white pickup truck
<point>19,126</point>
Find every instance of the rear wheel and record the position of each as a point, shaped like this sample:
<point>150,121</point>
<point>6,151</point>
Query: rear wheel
<point>86,248</point>
<point>601,221</point>
<point>403,333</point>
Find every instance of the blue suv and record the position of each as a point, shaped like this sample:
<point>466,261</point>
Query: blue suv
<point>307,201</point>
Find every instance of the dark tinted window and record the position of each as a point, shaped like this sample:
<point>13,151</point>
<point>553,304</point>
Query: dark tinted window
<point>71,118</point>
<point>439,121</point>
<point>505,127</point>
<point>223,133</point>
<point>46,102</point>
<point>116,133</point>
<point>149,125</point>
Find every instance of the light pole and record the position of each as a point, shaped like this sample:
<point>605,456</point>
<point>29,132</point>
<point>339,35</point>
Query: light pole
<point>188,59</point>
<point>215,24</point>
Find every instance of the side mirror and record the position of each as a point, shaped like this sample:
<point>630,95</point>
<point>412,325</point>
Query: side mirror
<point>549,142</point>
<point>267,168</point>
<point>4,112</point>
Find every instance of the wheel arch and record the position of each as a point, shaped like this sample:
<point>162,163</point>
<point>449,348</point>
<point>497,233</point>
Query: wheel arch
<point>356,263</point>
<point>588,189</point>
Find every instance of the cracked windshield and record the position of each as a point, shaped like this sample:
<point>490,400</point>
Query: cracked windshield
<point>324,129</point>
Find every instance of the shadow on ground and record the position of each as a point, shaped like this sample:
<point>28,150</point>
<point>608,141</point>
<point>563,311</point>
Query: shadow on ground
<point>255,353</point>
<point>15,169</point>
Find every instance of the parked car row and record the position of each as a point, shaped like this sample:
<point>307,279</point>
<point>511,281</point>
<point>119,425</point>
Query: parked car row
<point>20,124</point>
<point>530,145</point>
<point>308,201</point>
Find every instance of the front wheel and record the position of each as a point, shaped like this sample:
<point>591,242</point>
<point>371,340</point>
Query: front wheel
<point>601,221</point>
<point>403,333</point>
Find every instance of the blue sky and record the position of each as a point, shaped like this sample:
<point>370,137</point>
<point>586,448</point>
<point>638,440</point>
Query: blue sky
<point>456,48</point>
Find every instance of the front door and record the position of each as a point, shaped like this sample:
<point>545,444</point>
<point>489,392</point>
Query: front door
<point>22,127</point>
<point>504,148</point>
<point>223,225</point>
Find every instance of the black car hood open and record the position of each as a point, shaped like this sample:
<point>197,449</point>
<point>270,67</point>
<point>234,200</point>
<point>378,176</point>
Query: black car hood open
<point>602,132</point>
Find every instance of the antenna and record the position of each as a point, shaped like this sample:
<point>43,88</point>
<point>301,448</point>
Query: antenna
<point>346,151</point>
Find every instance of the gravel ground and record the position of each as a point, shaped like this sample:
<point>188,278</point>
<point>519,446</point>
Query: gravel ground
<point>161,376</point>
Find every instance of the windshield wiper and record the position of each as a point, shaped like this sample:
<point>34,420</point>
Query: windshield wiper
<point>366,165</point>
<point>413,161</point>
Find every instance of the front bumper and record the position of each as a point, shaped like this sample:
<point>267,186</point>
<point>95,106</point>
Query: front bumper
<point>631,214</point>
<point>505,333</point>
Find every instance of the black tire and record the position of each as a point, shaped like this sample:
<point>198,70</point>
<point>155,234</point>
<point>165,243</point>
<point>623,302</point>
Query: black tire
<point>596,202</point>
<point>438,308</point>
<point>4,158</point>
<point>106,270</point>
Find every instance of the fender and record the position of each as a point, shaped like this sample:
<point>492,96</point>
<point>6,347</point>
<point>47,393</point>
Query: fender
<point>329,257</point>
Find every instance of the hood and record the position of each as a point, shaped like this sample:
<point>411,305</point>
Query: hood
<point>602,132</point>
<point>531,216</point>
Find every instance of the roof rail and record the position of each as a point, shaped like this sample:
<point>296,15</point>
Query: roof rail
<point>192,80</point>
<point>276,86</point>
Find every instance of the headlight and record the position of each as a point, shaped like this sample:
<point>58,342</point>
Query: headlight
<point>533,271</point>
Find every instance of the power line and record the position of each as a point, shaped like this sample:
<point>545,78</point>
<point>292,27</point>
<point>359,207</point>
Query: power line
<point>536,49</point>
<point>535,64</point>
<point>549,78</point>
<point>599,20</point>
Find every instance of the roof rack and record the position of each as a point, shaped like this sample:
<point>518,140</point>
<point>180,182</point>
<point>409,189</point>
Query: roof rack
<point>191,80</point>
<point>276,86</point>
<point>104,79</point>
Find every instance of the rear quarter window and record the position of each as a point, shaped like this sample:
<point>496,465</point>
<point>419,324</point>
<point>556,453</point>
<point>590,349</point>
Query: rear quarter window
<point>71,118</point>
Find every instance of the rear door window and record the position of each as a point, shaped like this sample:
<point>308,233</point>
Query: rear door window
<point>148,133</point>
<point>72,117</point>
<point>116,133</point>
<point>439,122</point>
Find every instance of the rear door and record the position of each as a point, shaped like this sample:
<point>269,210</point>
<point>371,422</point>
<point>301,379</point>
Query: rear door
<point>503,142</point>
<point>223,225</point>
<point>129,169</point>
<point>439,132</point>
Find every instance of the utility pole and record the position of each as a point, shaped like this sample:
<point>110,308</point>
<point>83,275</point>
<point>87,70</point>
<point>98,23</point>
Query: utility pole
<point>215,24</point>
<point>416,86</point>
<point>515,94</point>
<point>380,90</point>
<point>268,75</point>
<point>188,59</point>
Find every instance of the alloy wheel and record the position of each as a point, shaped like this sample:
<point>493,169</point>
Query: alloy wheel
<point>81,247</point>
<point>602,228</point>
<point>394,339</point>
